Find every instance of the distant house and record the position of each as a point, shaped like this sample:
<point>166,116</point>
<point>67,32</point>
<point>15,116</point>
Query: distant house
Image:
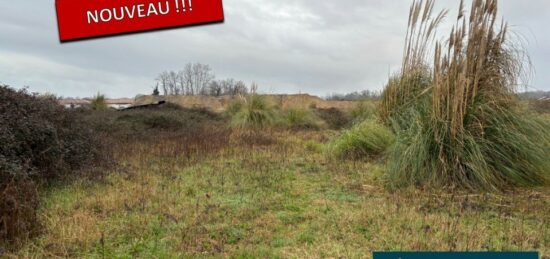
<point>117,104</point>
<point>72,103</point>
<point>121,103</point>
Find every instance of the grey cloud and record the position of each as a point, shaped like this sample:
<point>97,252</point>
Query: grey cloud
<point>290,46</point>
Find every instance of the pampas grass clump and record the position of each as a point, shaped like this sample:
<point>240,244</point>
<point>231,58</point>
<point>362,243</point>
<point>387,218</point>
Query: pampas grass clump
<point>457,120</point>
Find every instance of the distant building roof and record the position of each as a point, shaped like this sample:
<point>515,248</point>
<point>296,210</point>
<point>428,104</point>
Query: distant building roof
<point>120,101</point>
<point>72,101</point>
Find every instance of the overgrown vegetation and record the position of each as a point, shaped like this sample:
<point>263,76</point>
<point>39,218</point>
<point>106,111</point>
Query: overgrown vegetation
<point>187,184</point>
<point>458,123</point>
<point>185,187</point>
<point>253,113</point>
<point>41,142</point>
<point>284,200</point>
<point>149,124</point>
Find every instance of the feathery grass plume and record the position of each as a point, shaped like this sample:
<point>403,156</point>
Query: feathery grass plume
<point>368,139</point>
<point>414,79</point>
<point>464,129</point>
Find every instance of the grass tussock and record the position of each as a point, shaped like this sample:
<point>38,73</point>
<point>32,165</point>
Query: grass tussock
<point>252,112</point>
<point>458,123</point>
<point>368,139</point>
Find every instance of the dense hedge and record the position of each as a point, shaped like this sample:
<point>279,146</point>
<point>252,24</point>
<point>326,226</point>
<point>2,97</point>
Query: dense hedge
<point>40,141</point>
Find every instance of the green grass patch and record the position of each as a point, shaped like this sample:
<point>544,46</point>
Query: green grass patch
<point>366,140</point>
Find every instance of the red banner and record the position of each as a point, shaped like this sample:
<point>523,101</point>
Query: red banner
<point>80,19</point>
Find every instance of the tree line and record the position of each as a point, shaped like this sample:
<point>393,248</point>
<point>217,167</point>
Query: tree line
<point>197,79</point>
<point>355,96</point>
<point>534,95</point>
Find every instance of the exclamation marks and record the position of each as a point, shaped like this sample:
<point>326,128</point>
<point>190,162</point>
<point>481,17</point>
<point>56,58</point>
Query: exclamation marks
<point>184,4</point>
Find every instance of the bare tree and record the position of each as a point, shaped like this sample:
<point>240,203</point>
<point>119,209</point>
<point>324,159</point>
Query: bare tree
<point>187,79</point>
<point>173,83</point>
<point>198,79</point>
<point>215,88</point>
<point>156,90</point>
<point>227,86</point>
<point>202,76</point>
<point>162,80</point>
<point>241,89</point>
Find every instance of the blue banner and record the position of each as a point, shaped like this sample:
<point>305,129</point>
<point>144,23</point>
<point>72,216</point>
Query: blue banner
<point>455,255</point>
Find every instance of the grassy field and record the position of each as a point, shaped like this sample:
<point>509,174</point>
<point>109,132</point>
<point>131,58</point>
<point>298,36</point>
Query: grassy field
<point>448,159</point>
<point>273,197</point>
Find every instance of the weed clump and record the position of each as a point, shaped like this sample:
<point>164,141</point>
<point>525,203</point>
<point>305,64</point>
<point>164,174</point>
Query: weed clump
<point>457,120</point>
<point>368,139</point>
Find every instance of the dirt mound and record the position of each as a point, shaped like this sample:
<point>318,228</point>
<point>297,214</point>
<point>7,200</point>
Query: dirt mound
<point>218,104</point>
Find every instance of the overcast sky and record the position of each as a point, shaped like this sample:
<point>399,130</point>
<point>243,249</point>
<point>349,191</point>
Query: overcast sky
<point>286,46</point>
